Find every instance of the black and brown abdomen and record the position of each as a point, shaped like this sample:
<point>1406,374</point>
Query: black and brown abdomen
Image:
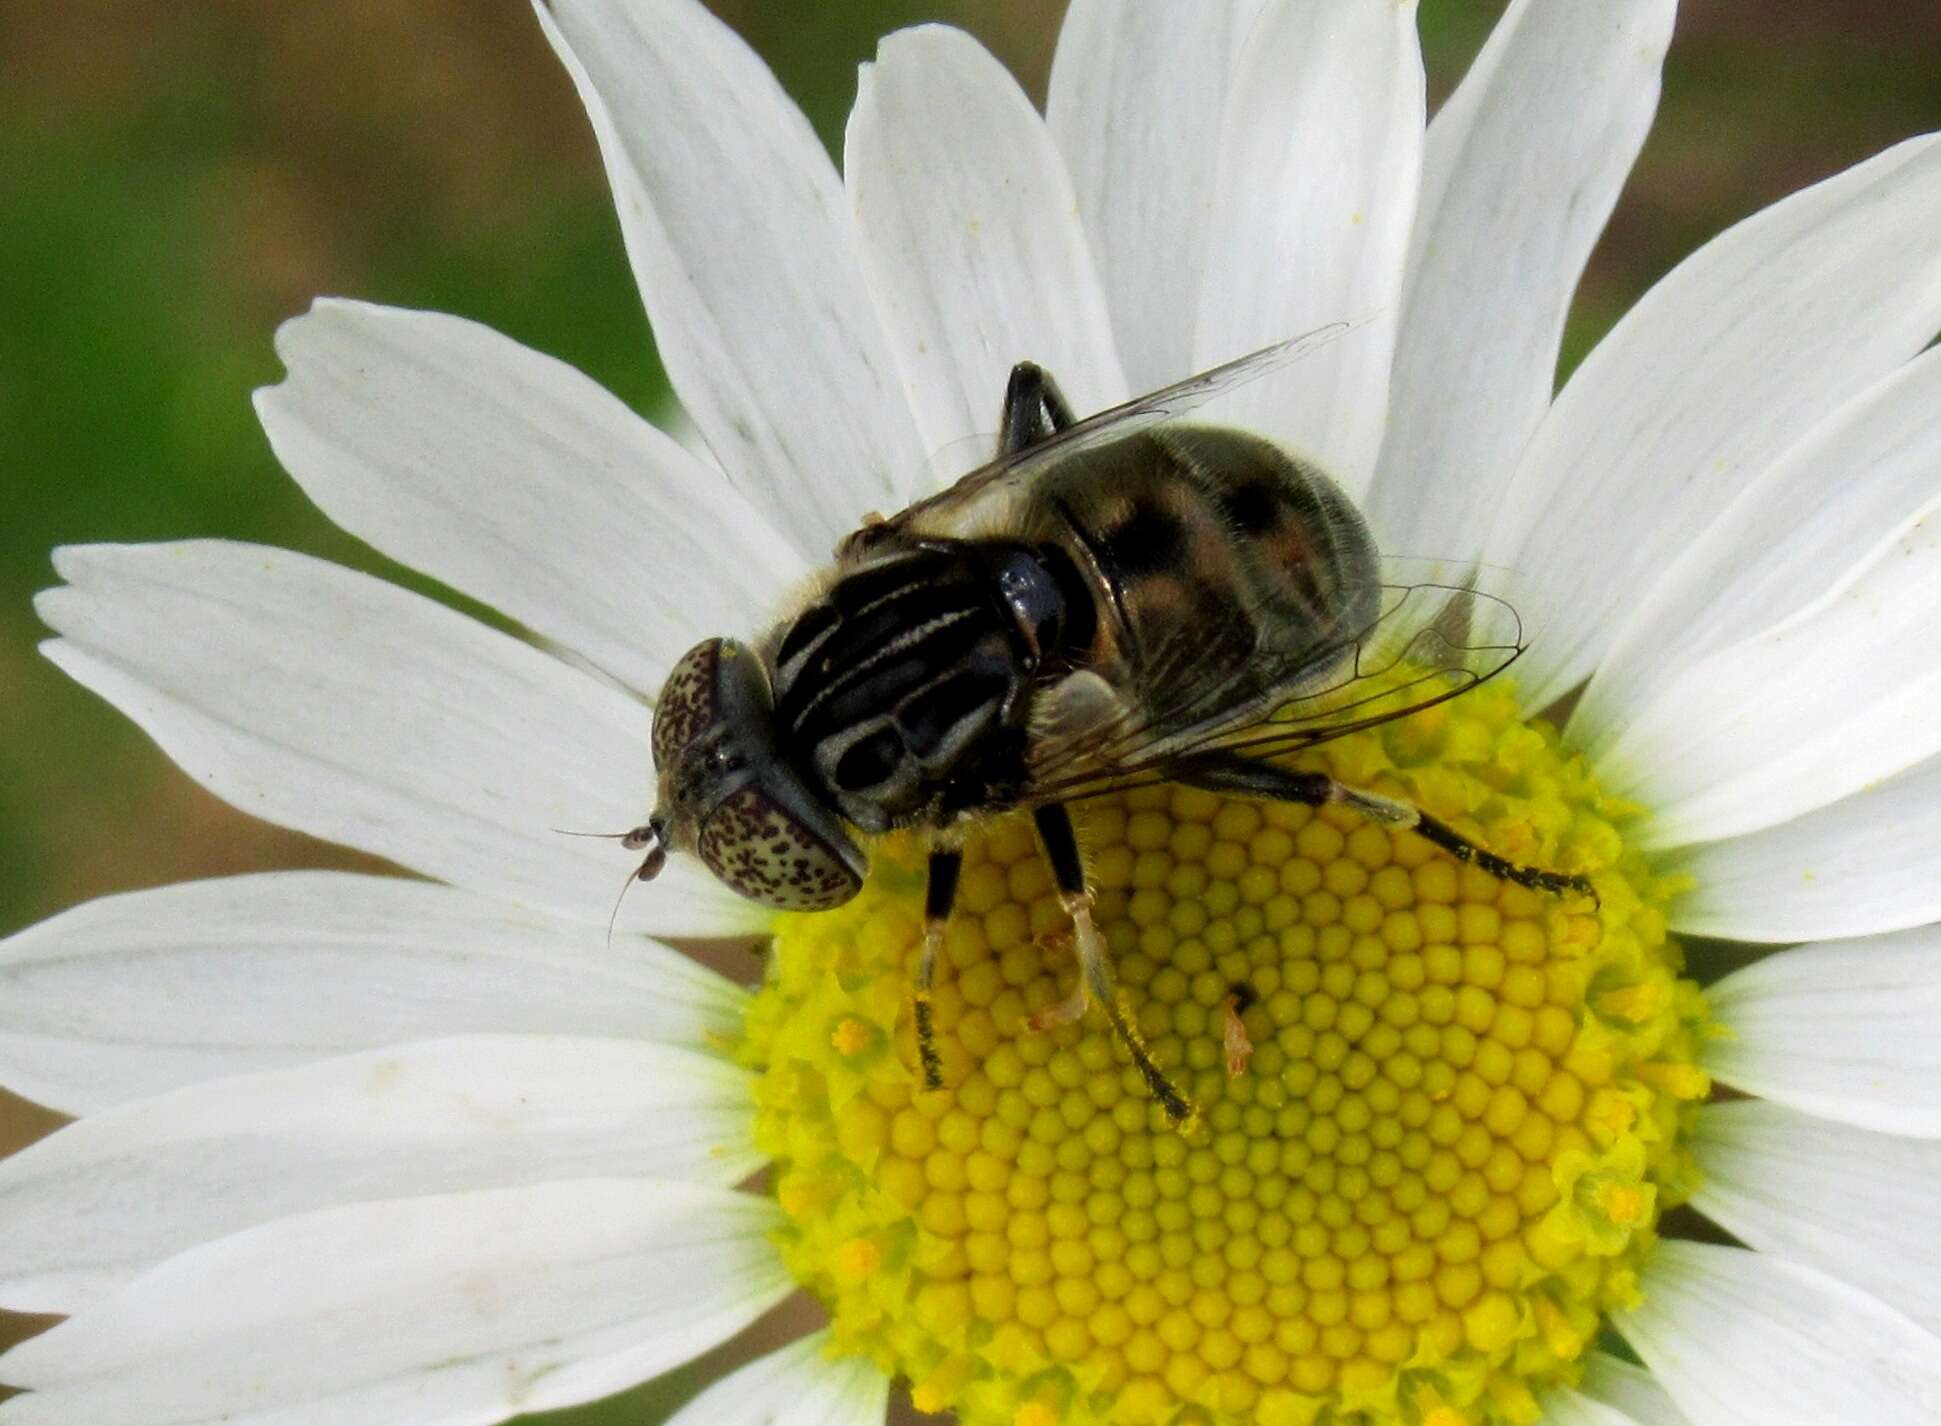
<point>1215,551</point>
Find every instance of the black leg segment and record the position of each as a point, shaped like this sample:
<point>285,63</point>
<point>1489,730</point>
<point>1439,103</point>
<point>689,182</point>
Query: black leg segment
<point>941,893</point>
<point>1463,850</point>
<point>1034,409</point>
<point>1242,777</point>
<point>1061,848</point>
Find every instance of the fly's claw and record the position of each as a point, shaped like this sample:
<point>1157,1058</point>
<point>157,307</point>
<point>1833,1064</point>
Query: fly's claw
<point>1056,942</point>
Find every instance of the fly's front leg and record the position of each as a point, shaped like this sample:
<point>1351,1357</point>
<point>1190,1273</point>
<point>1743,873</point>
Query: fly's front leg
<point>945,864</point>
<point>1242,777</point>
<point>1095,984</point>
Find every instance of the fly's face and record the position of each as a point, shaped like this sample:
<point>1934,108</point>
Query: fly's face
<point>728,796</point>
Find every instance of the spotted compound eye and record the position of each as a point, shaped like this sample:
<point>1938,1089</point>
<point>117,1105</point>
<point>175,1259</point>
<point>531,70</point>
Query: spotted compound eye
<point>762,851</point>
<point>689,701</point>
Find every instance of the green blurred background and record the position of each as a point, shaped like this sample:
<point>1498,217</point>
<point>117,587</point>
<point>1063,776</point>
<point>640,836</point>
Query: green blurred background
<point>177,176</point>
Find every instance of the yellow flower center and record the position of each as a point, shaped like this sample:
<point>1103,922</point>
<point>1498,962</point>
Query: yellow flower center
<point>1441,1113</point>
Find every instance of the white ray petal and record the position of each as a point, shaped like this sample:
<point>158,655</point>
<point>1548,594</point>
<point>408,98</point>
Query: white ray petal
<point>515,479</point>
<point>1840,1029</point>
<point>797,1386</point>
<point>1857,1205</point>
<point>1803,523</point>
<point>342,706</point>
<point>1521,170</point>
<point>969,234</point>
<point>133,995</point>
<point>1564,1407</point>
<point>1834,699</point>
<point>1632,1390</point>
<point>96,1204</point>
<point>455,1310</point>
<point>1730,359</point>
<point>1745,1339</point>
<point>735,222</point>
<point>1319,164</point>
<point>1137,96</point>
<point>1869,863</point>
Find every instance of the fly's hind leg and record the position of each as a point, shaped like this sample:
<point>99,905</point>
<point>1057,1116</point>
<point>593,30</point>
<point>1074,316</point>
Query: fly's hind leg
<point>1095,984</point>
<point>1243,777</point>
<point>945,864</point>
<point>1034,409</point>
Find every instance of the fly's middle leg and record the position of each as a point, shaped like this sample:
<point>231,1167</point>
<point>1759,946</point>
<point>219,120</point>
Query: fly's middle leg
<point>1095,984</point>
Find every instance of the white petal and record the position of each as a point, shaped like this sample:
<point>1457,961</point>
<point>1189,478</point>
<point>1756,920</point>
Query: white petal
<point>455,1310</point>
<point>1564,1407</point>
<point>1869,863</point>
<point>735,222</point>
<point>969,235</point>
<point>1137,95</point>
<point>1743,1339</point>
<point>1841,1029</point>
<point>87,1209</point>
<point>797,1386</point>
<point>345,707</point>
<point>1805,521</point>
<point>1319,162</point>
<point>1836,698</point>
<point>1742,349</point>
<point>1520,172</point>
<point>1632,1390</point>
<point>1857,1205</point>
<point>132,995</point>
<point>512,477</point>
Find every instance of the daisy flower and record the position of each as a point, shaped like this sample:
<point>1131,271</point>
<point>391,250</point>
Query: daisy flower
<point>374,1150</point>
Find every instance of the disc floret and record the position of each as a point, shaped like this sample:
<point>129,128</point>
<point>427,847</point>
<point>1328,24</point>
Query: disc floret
<point>1461,1114</point>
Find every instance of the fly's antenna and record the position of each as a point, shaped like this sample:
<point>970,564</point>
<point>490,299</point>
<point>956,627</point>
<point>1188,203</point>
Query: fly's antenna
<point>613,919</point>
<point>647,837</point>
<point>633,839</point>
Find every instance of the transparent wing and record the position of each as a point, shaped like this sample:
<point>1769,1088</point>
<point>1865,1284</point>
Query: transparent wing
<point>1428,641</point>
<point>978,500</point>
<point>950,462</point>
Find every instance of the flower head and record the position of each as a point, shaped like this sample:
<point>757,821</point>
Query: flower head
<point>1437,1170</point>
<point>356,1148</point>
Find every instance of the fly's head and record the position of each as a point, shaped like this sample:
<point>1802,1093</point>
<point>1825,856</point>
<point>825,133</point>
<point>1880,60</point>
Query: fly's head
<point>728,796</point>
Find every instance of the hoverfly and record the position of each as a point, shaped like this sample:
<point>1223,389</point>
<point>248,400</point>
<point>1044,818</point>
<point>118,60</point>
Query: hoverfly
<point>1110,602</point>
